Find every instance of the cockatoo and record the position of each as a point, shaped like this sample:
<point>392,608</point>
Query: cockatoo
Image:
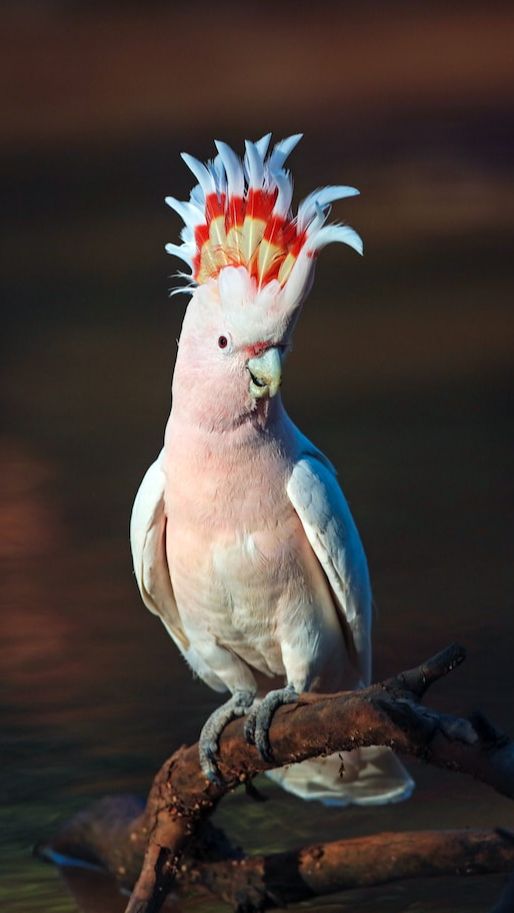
<point>242,541</point>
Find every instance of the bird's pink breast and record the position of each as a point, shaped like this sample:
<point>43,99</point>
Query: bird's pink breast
<point>236,548</point>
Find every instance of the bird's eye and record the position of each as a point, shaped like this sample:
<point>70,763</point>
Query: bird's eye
<point>222,342</point>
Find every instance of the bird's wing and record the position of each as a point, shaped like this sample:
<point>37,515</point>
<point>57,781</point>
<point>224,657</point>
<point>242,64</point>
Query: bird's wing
<point>329,526</point>
<point>148,543</point>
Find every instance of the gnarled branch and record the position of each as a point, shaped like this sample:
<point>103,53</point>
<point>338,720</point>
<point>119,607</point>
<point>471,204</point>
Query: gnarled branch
<point>389,713</point>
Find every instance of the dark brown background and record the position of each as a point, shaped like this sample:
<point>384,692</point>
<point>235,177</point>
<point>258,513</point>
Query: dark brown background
<point>412,346</point>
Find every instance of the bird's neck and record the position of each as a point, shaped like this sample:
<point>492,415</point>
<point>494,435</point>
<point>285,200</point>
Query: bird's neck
<point>196,430</point>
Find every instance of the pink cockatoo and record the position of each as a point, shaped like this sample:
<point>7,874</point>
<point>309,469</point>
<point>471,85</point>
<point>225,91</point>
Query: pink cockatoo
<point>243,543</point>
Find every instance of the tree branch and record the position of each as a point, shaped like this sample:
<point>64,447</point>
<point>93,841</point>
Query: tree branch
<point>101,835</point>
<point>264,882</point>
<point>176,841</point>
<point>388,713</point>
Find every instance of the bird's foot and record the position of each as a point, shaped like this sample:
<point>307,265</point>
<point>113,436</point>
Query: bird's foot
<point>235,707</point>
<point>259,719</point>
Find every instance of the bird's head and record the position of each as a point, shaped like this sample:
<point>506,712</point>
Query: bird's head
<point>252,265</point>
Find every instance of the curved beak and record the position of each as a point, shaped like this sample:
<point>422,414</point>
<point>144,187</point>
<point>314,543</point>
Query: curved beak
<point>265,373</point>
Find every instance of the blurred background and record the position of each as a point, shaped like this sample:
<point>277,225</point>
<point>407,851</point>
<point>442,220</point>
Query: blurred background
<point>412,103</point>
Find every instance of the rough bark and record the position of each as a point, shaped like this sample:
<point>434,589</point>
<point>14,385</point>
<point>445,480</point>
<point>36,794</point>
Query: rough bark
<point>389,713</point>
<point>174,840</point>
<point>101,835</point>
<point>264,882</point>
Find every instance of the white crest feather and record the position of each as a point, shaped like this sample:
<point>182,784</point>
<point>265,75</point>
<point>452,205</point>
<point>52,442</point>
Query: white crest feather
<point>233,169</point>
<point>239,216</point>
<point>321,197</point>
<point>205,178</point>
<point>282,150</point>
<point>330,233</point>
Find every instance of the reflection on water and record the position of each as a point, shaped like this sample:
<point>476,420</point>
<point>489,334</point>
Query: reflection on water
<point>94,695</point>
<point>97,894</point>
<point>401,372</point>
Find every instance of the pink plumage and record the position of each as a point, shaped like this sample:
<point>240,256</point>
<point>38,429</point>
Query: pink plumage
<point>242,540</point>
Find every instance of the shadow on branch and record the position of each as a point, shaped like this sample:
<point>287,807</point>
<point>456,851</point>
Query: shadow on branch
<point>178,846</point>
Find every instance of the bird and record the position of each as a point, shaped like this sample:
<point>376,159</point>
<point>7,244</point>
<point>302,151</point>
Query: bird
<point>243,543</point>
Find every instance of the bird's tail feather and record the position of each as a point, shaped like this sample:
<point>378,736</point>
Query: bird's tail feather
<point>366,776</point>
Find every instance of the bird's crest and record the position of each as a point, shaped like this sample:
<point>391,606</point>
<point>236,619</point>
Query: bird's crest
<point>239,214</point>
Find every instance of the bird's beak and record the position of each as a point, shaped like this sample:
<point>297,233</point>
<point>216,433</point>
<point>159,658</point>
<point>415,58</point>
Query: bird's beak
<point>265,373</point>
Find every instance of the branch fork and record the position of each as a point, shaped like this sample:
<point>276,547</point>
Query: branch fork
<point>179,845</point>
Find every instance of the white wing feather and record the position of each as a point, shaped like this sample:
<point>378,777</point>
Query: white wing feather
<point>329,526</point>
<point>148,544</point>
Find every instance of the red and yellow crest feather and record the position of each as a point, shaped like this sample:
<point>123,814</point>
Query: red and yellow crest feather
<point>239,214</point>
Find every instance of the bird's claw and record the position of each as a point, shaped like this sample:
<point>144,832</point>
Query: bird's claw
<point>249,727</point>
<point>235,707</point>
<point>259,720</point>
<point>209,764</point>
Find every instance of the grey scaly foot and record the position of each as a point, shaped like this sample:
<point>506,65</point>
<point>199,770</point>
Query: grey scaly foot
<point>259,719</point>
<point>235,707</point>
